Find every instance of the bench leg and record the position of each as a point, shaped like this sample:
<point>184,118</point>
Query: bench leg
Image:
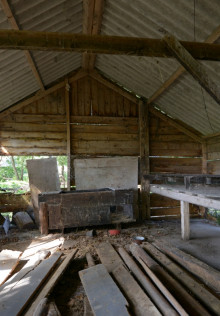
<point>185,223</point>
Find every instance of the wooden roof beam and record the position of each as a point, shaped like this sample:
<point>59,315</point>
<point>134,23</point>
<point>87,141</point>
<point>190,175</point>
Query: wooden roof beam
<point>7,10</point>
<point>211,39</point>
<point>92,20</point>
<point>195,68</point>
<point>101,44</point>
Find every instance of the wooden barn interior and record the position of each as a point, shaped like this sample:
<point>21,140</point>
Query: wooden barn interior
<point>129,92</point>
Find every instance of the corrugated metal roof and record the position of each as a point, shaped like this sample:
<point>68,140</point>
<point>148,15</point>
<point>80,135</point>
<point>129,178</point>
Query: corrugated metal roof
<point>184,99</point>
<point>17,80</point>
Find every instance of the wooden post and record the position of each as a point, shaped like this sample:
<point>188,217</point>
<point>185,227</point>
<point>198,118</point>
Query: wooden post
<point>204,171</point>
<point>68,140</point>
<point>144,160</point>
<point>185,222</point>
<point>43,218</point>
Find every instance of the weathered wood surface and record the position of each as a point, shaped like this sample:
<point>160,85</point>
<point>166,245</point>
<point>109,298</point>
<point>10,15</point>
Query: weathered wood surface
<point>136,251</point>
<point>35,40</point>
<point>52,282</point>
<point>104,296</point>
<point>30,265</point>
<point>201,270</point>
<point>8,261</point>
<point>195,68</point>
<point>43,218</point>
<point>177,295</point>
<point>159,300</point>
<point>185,221</point>
<point>206,298</point>
<point>15,301</point>
<point>10,202</point>
<point>144,160</point>
<point>43,177</point>
<point>138,300</point>
<point>23,220</point>
<point>187,196</point>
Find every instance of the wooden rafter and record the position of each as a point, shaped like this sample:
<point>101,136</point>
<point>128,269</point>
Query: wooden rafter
<point>39,95</point>
<point>101,44</point>
<point>194,67</point>
<point>211,39</point>
<point>92,20</point>
<point>7,10</point>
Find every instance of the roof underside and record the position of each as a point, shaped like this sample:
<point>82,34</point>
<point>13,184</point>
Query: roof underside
<point>184,100</point>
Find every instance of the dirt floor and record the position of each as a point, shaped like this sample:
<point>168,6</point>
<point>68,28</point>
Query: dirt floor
<point>69,294</point>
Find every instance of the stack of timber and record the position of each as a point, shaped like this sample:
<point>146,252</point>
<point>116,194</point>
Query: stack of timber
<point>147,282</point>
<point>27,291</point>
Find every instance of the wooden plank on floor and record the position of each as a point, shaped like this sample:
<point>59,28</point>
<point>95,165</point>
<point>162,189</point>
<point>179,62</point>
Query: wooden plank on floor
<point>8,262</point>
<point>104,296</point>
<point>14,302</point>
<point>140,303</point>
<point>206,298</point>
<point>52,282</point>
<point>30,265</point>
<point>208,275</point>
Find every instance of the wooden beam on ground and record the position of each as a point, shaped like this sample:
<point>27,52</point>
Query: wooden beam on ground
<point>155,295</point>
<point>14,302</point>
<point>172,290</point>
<point>92,20</point>
<point>101,44</point>
<point>211,39</point>
<point>206,298</point>
<point>51,283</point>
<point>104,296</point>
<point>7,10</point>
<point>144,160</point>
<point>201,270</point>
<point>68,134</point>
<point>185,220</point>
<point>195,68</point>
<point>185,196</point>
<point>140,303</point>
<point>41,94</point>
<point>172,122</point>
<point>8,261</point>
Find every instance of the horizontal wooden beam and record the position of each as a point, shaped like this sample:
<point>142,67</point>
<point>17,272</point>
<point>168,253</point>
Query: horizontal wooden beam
<point>101,44</point>
<point>186,197</point>
<point>195,68</point>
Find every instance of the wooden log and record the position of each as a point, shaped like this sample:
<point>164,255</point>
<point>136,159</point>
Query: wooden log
<point>42,308</point>
<point>8,261</point>
<point>201,270</point>
<point>43,218</point>
<point>155,295</point>
<point>185,221</point>
<point>23,220</point>
<point>142,258</point>
<point>51,283</point>
<point>101,44</point>
<point>138,300</point>
<point>205,297</point>
<point>17,299</point>
<point>103,294</point>
<point>53,310</point>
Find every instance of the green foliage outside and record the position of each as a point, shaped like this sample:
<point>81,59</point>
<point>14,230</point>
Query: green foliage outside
<point>14,175</point>
<point>216,214</point>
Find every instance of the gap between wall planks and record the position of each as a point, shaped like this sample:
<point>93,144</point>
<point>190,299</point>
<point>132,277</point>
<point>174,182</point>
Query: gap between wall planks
<point>68,132</point>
